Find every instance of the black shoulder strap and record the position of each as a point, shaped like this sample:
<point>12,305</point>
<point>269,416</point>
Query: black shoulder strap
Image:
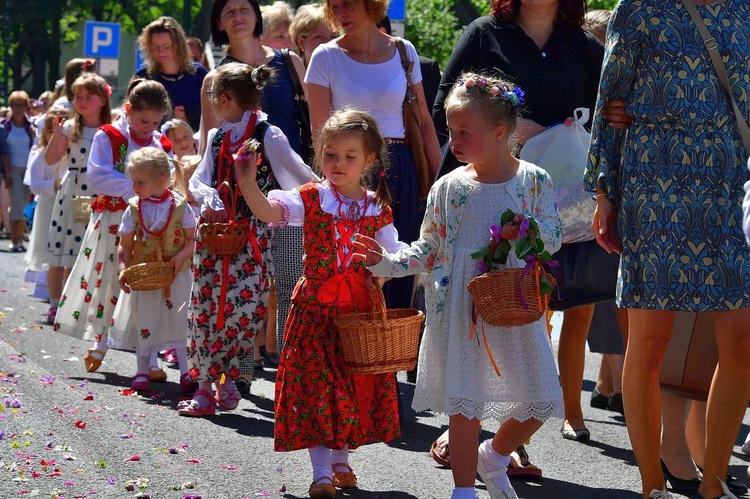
<point>293,76</point>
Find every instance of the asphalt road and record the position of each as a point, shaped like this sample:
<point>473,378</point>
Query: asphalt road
<point>66,433</point>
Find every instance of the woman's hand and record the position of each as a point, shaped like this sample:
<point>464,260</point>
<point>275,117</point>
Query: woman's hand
<point>528,128</point>
<point>179,113</point>
<point>367,249</point>
<point>614,113</point>
<point>604,225</point>
<point>213,216</point>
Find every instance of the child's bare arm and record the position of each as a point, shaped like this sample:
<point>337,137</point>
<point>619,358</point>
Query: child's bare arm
<point>57,144</point>
<point>186,252</point>
<point>124,253</point>
<point>368,250</point>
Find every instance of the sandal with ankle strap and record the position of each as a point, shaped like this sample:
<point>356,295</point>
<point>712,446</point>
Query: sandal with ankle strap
<point>193,408</point>
<point>228,398</point>
<point>343,479</point>
<point>323,490</point>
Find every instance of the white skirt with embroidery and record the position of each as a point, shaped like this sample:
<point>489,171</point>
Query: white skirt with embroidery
<point>90,293</point>
<point>147,321</point>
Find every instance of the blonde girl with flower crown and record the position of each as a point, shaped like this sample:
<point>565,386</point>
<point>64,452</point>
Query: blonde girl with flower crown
<point>455,372</point>
<point>91,291</point>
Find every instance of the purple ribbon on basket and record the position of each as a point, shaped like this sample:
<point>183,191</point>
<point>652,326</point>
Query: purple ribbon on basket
<point>531,264</point>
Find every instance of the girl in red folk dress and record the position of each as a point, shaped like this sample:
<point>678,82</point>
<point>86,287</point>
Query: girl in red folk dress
<point>228,298</point>
<point>90,293</point>
<point>319,405</point>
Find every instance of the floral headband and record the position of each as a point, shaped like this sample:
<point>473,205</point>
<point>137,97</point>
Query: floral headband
<point>515,96</point>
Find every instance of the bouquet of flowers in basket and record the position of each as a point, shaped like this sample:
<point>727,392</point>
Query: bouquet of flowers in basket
<point>512,297</point>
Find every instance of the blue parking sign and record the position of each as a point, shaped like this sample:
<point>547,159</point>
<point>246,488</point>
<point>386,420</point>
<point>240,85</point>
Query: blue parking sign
<point>397,10</point>
<point>101,40</point>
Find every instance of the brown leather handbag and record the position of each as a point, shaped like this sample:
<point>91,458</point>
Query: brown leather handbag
<point>690,360</point>
<point>413,125</point>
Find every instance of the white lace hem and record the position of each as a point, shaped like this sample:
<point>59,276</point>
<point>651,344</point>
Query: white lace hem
<point>498,411</point>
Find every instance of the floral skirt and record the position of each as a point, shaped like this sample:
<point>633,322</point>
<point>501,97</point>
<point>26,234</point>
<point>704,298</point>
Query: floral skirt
<point>242,292</point>
<point>318,402</point>
<point>90,294</point>
<point>147,321</point>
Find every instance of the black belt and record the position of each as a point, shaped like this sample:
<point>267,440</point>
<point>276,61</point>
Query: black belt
<point>389,141</point>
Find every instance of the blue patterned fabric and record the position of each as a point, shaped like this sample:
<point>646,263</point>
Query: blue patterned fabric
<point>677,174</point>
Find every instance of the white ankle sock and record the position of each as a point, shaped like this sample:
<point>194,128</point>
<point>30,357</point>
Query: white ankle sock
<point>494,461</point>
<point>141,362</point>
<point>101,345</point>
<point>320,458</point>
<point>340,457</point>
<point>464,493</point>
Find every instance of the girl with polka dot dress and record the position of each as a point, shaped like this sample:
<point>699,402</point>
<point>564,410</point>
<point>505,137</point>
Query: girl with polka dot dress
<point>72,138</point>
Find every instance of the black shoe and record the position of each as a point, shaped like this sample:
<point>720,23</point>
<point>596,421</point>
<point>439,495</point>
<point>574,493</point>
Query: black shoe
<point>258,364</point>
<point>577,435</point>
<point>243,386</point>
<point>271,360</point>
<point>599,401</point>
<point>615,403</point>
<point>733,484</point>
<point>680,485</point>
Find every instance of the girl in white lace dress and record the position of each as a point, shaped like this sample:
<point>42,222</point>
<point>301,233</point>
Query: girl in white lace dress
<point>455,375</point>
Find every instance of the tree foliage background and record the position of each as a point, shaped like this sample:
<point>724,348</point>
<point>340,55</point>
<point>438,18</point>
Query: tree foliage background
<point>33,30</point>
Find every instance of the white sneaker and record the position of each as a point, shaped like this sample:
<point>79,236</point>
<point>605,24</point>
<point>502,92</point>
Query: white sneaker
<point>660,494</point>
<point>488,477</point>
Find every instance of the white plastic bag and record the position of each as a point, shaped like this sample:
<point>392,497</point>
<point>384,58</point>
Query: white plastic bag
<point>561,150</point>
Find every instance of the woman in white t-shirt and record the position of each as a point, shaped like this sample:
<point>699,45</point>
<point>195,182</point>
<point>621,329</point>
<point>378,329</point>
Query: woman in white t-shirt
<point>362,69</point>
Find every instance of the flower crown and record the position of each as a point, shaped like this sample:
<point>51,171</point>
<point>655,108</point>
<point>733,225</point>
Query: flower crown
<point>515,96</point>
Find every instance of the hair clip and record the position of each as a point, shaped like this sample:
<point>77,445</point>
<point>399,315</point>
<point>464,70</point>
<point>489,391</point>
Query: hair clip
<point>87,64</point>
<point>108,90</point>
<point>255,75</point>
<point>382,173</point>
<point>364,124</point>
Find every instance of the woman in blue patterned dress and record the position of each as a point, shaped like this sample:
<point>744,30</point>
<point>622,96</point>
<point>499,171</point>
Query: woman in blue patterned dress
<point>669,198</point>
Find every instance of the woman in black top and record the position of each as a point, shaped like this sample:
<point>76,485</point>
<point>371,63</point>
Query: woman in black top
<point>542,48</point>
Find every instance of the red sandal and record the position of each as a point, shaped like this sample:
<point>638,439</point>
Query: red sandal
<point>227,396</point>
<point>193,408</point>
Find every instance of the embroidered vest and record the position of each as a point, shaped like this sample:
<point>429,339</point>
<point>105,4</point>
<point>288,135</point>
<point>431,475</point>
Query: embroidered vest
<point>172,241</point>
<point>265,177</point>
<point>119,143</point>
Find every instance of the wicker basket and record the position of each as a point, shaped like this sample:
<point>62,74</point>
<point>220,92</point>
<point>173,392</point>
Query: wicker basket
<point>80,207</point>
<point>225,238</point>
<point>151,275</point>
<point>381,341</point>
<point>497,296</point>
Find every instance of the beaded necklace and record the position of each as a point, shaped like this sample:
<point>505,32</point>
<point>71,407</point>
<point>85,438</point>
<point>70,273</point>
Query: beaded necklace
<point>141,142</point>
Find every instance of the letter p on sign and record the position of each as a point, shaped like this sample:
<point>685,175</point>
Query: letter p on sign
<point>102,40</point>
